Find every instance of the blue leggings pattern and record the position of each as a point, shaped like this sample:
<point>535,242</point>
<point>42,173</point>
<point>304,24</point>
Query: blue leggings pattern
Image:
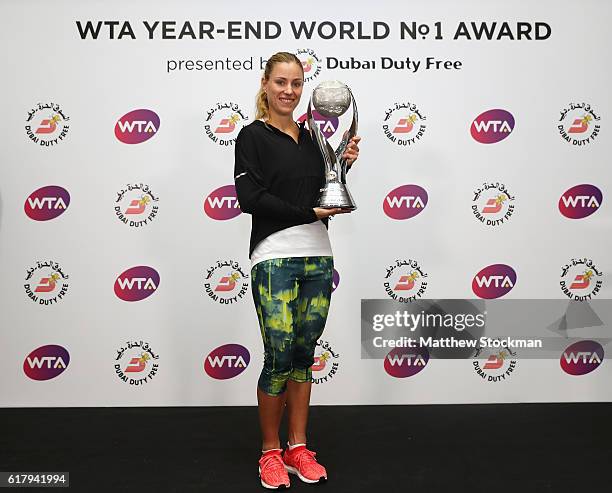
<point>292,298</point>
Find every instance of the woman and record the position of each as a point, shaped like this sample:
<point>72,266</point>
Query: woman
<point>278,173</point>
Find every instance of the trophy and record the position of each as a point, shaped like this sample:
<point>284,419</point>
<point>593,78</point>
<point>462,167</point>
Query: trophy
<point>332,99</point>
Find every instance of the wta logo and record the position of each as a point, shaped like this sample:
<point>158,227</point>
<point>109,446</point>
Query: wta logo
<point>227,361</point>
<point>582,357</point>
<point>137,126</point>
<point>580,201</point>
<point>328,126</point>
<point>47,203</point>
<point>137,283</point>
<point>405,202</point>
<point>492,126</point>
<point>335,280</point>
<point>222,203</point>
<point>406,362</point>
<point>494,281</point>
<point>46,362</point>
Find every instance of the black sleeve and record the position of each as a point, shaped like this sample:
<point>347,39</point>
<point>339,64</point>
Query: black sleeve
<point>253,195</point>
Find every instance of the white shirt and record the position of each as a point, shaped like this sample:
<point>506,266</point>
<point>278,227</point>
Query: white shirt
<point>304,240</point>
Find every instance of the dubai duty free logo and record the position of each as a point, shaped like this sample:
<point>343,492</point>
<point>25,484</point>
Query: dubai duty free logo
<point>46,362</point>
<point>405,202</point>
<point>582,357</point>
<point>47,125</point>
<point>136,363</point>
<point>223,123</point>
<point>225,282</point>
<point>227,361</point>
<point>578,124</point>
<point>326,363</point>
<point>492,126</point>
<point>137,126</point>
<point>580,279</point>
<point>404,124</point>
<point>311,63</point>
<point>45,283</point>
<point>492,204</point>
<point>136,205</point>
<point>47,203</point>
<point>580,201</point>
<point>494,366</point>
<point>494,281</point>
<point>403,362</point>
<point>405,281</point>
<point>136,283</point>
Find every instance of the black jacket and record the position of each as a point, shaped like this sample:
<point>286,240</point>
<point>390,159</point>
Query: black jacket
<point>277,181</point>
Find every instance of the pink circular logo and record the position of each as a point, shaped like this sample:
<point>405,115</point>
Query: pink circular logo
<point>405,202</point>
<point>47,203</point>
<point>222,203</point>
<point>582,357</point>
<point>580,201</point>
<point>492,126</point>
<point>137,126</point>
<point>404,362</point>
<point>46,362</point>
<point>137,283</point>
<point>335,280</point>
<point>227,361</point>
<point>494,281</point>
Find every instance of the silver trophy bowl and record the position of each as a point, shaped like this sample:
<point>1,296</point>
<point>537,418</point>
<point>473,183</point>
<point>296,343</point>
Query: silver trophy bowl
<point>331,98</point>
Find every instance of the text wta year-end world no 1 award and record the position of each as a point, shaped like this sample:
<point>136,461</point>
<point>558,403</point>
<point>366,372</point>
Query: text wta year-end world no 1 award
<point>332,99</point>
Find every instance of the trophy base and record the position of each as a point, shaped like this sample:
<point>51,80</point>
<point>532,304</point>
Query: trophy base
<point>336,195</point>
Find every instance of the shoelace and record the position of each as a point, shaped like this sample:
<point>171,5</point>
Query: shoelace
<point>272,461</point>
<point>305,457</point>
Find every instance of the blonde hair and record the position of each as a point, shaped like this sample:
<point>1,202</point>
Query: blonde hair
<point>261,100</point>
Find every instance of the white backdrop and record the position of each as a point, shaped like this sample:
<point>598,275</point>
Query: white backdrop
<point>92,83</point>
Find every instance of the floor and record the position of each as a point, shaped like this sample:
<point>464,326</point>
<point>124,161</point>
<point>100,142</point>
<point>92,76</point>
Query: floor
<point>428,448</point>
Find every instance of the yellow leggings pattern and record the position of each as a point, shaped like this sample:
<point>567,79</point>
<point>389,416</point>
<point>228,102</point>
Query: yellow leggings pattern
<point>292,298</point>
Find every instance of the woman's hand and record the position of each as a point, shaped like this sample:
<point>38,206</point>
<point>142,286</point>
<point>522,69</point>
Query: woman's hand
<point>323,213</point>
<point>352,151</point>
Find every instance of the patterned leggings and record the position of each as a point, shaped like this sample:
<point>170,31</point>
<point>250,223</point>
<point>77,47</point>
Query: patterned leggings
<point>292,300</point>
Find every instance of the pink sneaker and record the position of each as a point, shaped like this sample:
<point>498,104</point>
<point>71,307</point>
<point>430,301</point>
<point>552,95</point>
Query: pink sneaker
<point>272,470</point>
<point>302,462</point>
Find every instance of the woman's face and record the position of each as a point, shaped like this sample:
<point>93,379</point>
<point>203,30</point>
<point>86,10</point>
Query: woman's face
<point>284,88</point>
